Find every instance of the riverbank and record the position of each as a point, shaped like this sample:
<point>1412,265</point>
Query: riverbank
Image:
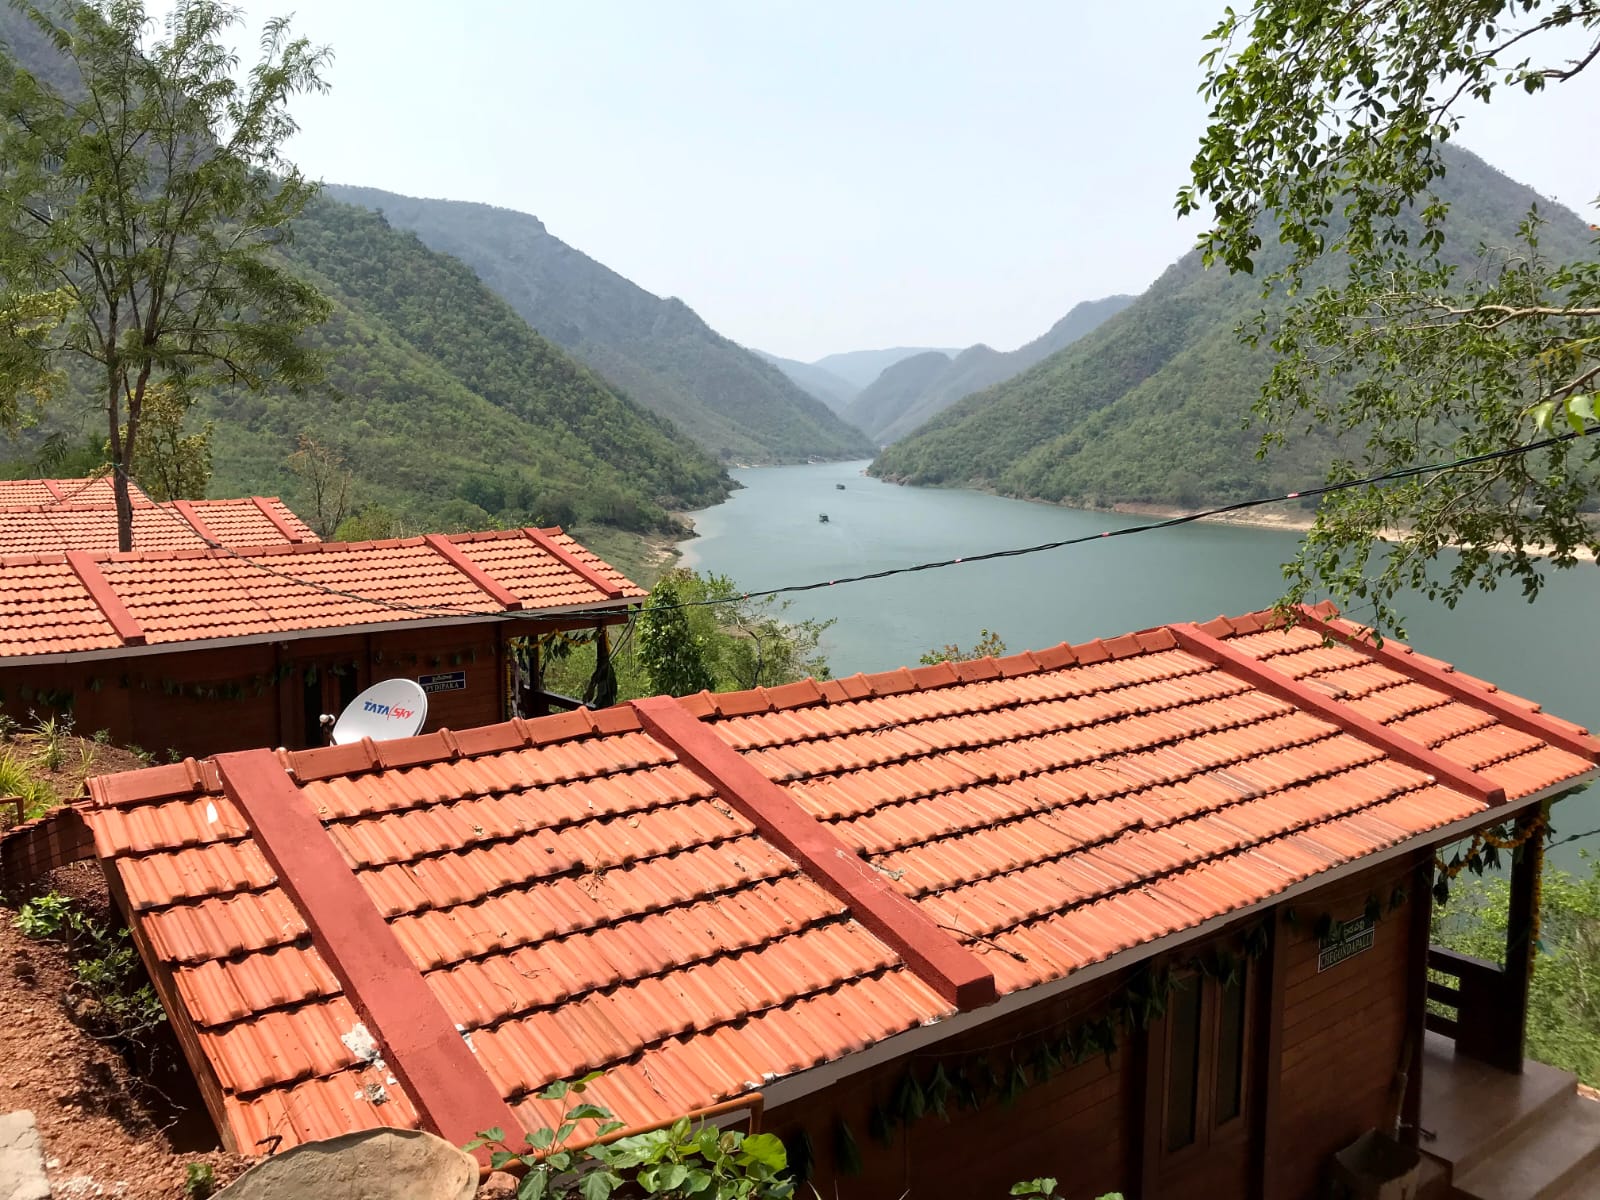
<point>1288,521</point>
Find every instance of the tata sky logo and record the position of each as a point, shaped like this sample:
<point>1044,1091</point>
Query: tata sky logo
<point>395,712</point>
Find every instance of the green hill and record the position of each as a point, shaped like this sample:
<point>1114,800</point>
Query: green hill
<point>1151,406</point>
<point>888,418</point>
<point>898,388</point>
<point>733,403</point>
<point>448,406</point>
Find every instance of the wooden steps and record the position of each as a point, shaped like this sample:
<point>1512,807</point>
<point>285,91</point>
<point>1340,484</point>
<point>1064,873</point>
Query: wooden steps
<point>1508,1137</point>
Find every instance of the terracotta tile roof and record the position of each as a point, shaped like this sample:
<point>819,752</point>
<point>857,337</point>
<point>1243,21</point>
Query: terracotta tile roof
<point>88,490</point>
<point>700,896</point>
<point>244,523</point>
<point>79,602</point>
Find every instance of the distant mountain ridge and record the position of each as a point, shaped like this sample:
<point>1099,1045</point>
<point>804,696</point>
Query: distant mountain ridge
<point>833,390</point>
<point>861,367</point>
<point>657,351</point>
<point>896,410</point>
<point>1151,406</point>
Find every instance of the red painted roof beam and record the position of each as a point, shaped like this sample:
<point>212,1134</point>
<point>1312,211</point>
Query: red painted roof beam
<point>936,958</point>
<point>87,569</point>
<point>282,526</point>
<point>562,555</point>
<point>1397,746</point>
<point>481,579</point>
<point>453,1096</point>
<point>1407,662</point>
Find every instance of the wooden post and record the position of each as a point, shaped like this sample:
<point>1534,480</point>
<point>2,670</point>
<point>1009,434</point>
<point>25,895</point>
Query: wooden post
<point>1269,1148</point>
<point>1421,931</point>
<point>1522,921</point>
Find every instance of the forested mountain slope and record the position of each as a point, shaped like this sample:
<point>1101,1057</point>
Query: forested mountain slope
<point>1152,405</point>
<point>892,392</point>
<point>448,406</point>
<point>974,369</point>
<point>733,403</point>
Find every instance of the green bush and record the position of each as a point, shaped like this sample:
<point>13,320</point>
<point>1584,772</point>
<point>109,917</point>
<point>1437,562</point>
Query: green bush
<point>1564,994</point>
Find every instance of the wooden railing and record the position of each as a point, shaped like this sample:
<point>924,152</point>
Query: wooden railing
<point>1482,1000</point>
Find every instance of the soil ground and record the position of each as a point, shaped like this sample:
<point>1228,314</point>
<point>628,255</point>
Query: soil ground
<point>115,1120</point>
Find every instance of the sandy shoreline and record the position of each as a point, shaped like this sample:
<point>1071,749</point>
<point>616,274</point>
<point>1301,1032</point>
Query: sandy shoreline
<point>1292,522</point>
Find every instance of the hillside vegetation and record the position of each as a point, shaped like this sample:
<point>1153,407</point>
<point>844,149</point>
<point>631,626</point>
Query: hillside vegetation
<point>734,404</point>
<point>890,413</point>
<point>449,406</point>
<point>1152,406</point>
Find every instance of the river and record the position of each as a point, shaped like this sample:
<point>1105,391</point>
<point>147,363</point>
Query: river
<point>768,534</point>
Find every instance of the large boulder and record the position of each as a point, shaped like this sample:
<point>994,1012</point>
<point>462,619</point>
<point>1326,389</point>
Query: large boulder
<point>379,1164</point>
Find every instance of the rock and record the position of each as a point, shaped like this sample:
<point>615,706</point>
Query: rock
<point>22,1174</point>
<point>379,1164</point>
<point>499,1186</point>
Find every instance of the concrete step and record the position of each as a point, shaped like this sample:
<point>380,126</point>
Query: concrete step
<point>1549,1158</point>
<point>1475,1109</point>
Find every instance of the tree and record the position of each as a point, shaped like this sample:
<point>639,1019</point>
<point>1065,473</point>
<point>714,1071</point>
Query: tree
<point>145,201</point>
<point>326,476</point>
<point>988,645</point>
<point>168,463</point>
<point>1415,341</point>
<point>672,653</point>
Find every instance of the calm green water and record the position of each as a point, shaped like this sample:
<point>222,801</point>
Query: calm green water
<point>768,535</point>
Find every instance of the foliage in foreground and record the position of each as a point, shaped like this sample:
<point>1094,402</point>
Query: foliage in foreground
<point>696,633</point>
<point>1421,337</point>
<point>104,966</point>
<point>683,1161</point>
<point>680,1161</point>
<point>1564,995</point>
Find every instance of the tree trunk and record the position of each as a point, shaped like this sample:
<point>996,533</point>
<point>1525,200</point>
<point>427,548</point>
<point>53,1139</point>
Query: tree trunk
<point>119,467</point>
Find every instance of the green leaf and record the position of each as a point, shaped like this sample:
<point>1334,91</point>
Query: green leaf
<point>766,1149</point>
<point>499,1159</point>
<point>597,1185</point>
<point>493,1135</point>
<point>542,1139</point>
<point>556,1091</point>
<point>534,1184</point>
<point>1034,1187</point>
<point>588,1112</point>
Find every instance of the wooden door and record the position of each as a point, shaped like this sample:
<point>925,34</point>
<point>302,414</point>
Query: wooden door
<point>1198,1114</point>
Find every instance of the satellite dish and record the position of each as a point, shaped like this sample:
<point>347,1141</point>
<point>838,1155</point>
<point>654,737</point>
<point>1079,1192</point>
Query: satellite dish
<point>392,708</point>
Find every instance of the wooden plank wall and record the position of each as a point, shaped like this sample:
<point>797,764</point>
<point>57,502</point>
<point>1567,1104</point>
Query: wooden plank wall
<point>147,700</point>
<point>1078,1126</point>
<point>1343,1030</point>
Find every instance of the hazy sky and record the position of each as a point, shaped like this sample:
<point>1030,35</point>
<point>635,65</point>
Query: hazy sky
<point>822,176</point>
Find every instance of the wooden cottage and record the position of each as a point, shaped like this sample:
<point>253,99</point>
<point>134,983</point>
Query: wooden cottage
<point>1147,914</point>
<point>238,628</point>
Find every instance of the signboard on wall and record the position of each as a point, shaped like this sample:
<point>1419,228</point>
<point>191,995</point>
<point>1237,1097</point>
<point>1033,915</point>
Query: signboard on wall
<point>445,681</point>
<point>1346,940</point>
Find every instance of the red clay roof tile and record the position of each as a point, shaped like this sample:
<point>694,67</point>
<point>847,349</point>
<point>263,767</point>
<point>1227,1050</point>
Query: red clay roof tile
<point>575,897</point>
<point>44,526</point>
<point>178,596</point>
